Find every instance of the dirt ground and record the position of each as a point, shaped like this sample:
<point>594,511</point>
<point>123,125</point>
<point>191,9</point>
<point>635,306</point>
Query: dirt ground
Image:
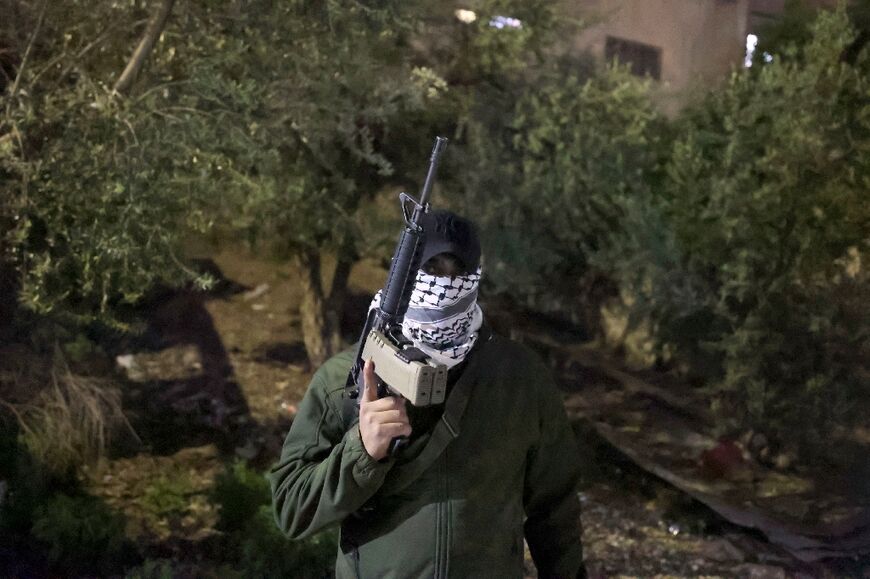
<point>233,363</point>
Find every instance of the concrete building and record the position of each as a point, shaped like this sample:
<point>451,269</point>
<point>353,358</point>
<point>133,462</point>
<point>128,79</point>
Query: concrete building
<point>682,44</point>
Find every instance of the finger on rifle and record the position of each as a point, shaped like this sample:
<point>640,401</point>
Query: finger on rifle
<point>388,416</point>
<point>386,403</point>
<point>370,392</point>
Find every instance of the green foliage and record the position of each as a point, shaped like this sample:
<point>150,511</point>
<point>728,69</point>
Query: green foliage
<point>494,79</point>
<point>273,120</point>
<point>574,154</point>
<point>586,148</point>
<point>79,530</point>
<point>257,546</point>
<point>168,494</point>
<point>152,569</point>
<point>788,34</point>
<point>79,348</point>
<point>764,222</point>
<point>300,139</point>
<point>495,53</point>
<point>266,552</point>
<point>94,192</point>
<point>240,492</point>
<point>739,230</point>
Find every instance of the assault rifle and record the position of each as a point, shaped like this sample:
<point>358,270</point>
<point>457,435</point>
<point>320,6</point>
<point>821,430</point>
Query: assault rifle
<point>401,368</point>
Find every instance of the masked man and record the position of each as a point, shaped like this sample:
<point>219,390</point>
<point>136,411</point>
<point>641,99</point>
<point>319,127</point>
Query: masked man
<point>496,462</point>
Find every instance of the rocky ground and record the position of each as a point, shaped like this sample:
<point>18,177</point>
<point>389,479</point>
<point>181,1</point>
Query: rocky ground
<point>223,374</point>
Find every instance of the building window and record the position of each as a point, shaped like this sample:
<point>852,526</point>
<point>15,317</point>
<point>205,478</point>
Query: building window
<point>644,60</point>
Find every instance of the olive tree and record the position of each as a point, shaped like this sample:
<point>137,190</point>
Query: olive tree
<point>95,187</point>
<point>308,102</point>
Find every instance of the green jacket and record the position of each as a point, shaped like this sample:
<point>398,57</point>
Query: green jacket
<point>510,472</point>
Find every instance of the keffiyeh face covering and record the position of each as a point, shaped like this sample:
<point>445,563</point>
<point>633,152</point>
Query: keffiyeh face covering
<point>443,318</point>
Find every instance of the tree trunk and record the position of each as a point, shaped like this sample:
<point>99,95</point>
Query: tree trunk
<point>312,309</point>
<point>321,313</point>
<point>152,33</point>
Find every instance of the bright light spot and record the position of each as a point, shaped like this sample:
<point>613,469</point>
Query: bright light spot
<point>751,43</point>
<point>768,57</point>
<point>505,22</point>
<point>467,16</point>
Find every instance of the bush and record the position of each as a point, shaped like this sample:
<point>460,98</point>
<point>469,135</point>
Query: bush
<point>265,551</point>
<point>69,419</point>
<point>552,183</point>
<point>81,531</point>
<point>257,546</point>
<point>737,234</point>
<point>588,148</point>
<point>240,492</point>
<point>754,254</point>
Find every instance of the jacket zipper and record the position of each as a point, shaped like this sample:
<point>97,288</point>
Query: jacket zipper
<point>442,521</point>
<point>448,518</point>
<point>356,563</point>
<point>438,522</point>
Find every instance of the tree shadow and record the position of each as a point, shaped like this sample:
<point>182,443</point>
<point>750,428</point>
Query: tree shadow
<point>210,407</point>
<point>281,353</point>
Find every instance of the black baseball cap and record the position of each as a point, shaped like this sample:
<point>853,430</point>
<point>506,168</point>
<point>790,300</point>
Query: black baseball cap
<point>447,232</point>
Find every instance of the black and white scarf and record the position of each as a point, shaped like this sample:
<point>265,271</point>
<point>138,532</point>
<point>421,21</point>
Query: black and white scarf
<point>443,318</point>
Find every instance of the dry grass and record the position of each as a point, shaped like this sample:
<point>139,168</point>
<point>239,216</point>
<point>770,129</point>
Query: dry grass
<point>67,420</point>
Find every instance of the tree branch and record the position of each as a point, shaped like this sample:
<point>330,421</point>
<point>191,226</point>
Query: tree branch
<point>152,33</point>
<point>14,90</point>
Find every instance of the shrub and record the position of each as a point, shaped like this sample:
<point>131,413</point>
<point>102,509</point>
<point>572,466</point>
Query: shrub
<point>754,253</point>
<point>80,531</point>
<point>552,182</point>
<point>736,234</point>
<point>256,545</point>
<point>70,420</point>
<point>266,552</point>
<point>240,492</point>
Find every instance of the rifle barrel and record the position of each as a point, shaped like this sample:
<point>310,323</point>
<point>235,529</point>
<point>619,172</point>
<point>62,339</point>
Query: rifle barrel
<point>437,150</point>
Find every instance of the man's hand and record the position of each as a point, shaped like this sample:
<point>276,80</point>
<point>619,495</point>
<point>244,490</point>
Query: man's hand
<point>380,420</point>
